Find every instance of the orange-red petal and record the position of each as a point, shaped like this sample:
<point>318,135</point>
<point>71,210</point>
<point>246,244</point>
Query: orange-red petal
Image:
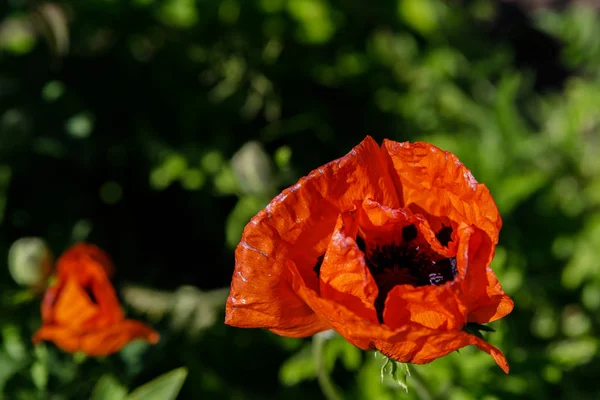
<point>413,342</point>
<point>297,225</point>
<point>438,183</point>
<point>81,311</point>
<point>279,284</point>
<point>345,277</point>
<point>494,305</point>
<point>421,345</point>
<point>357,329</point>
<point>73,308</point>
<point>99,342</point>
<point>114,338</point>
<point>434,307</point>
<point>84,261</point>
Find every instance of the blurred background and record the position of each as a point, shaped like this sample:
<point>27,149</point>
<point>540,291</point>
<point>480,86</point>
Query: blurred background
<point>157,128</point>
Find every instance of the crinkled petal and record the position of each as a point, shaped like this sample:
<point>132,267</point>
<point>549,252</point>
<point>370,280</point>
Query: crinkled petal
<point>435,307</point>
<point>413,342</point>
<point>384,224</point>
<point>260,295</point>
<point>483,293</point>
<point>438,183</point>
<point>345,277</point>
<point>420,345</point>
<point>353,326</point>
<point>297,225</point>
<point>281,282</point>
<point>494,305</point>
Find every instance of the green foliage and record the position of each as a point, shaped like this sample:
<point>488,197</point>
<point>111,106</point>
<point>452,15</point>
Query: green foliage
<point>108,387</point>
<point>396,371</point>
<point>165,387</point>
<point>303,366</point>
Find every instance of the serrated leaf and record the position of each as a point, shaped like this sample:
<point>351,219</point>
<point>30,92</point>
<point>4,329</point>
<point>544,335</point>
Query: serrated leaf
<point>399,372</point>
<point>165,387</point>
<point>108,388</point>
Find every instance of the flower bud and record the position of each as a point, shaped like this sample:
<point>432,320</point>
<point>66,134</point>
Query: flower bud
<point>29,261</point>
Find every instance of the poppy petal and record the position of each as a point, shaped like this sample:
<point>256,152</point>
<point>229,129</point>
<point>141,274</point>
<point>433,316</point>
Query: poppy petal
<point>105,297</point>
<point>438,183</point>
<point>494,306</point>
<point>50,297</point>
<point>81,311</point>
<point>421,346</point>
<point>297,225</point>
<point>99,342</point>
<point>435,307</point>
<point>73,308</point>
<point>487,301</point>
<point>260,297</point>
<point>381,224</point>
<point>345,277</point>
<point>61,336</point>
<point>357,329</point>
<point>69,263</point>
<point>112,339</point>
<point>388,246</point>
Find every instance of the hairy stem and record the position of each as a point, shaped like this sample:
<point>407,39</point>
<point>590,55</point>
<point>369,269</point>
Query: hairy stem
<point>420,386</point>
<point>327,386</point>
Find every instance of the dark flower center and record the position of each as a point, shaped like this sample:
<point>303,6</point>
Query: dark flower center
<point>407,263</point>
<point>317,267</point>
<point>444,235</point>
<point>91,295</point>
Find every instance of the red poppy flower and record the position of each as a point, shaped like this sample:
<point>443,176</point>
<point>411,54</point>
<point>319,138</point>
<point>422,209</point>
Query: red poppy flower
<point>81,311</point>
<point>390,246</point>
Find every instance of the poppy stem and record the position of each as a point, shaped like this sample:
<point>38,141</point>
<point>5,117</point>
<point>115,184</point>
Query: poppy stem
<point>327,386</point>
<point>420,386</point>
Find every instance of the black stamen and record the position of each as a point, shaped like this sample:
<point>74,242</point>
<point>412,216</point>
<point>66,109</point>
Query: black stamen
<point>317,267</point>
<point>442,271</point>
<point>444,236</point>
<point>395,264</point>
<point>409,232</point>
<point>360,242</point>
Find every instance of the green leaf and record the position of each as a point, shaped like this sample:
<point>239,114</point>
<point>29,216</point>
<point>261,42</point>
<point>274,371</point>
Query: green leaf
<point>39,375</point>
<point>475,329</point>
<point>165,387</point>
<point>299,367</point>
<point>108,388</point>
<point>397,371</point>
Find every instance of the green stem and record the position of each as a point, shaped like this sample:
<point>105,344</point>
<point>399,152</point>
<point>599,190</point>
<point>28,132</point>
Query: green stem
<point>327,386</point>
<point>420,386</point>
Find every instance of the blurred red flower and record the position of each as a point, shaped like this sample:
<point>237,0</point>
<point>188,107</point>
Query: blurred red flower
<point>81,311</point>
<point>390,246</point>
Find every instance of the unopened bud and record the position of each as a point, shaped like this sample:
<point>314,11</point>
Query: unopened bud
<point>29,261</point>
